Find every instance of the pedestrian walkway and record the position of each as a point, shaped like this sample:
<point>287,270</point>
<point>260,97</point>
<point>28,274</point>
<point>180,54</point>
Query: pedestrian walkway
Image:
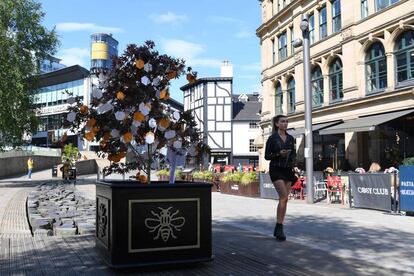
<point>322,240</point>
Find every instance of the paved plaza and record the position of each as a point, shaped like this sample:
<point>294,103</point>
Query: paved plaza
<point>322,239</point>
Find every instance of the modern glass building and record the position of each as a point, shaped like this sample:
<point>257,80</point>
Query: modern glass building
<point>50,101</point>
<point>103,47</point>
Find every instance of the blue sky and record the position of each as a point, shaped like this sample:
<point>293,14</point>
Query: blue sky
<point>203,32</point>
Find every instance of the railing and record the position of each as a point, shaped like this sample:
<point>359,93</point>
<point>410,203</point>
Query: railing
<point>31,150</point>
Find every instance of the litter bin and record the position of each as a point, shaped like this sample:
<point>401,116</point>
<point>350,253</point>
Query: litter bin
<point>54,171</point>
<point>72,174</point>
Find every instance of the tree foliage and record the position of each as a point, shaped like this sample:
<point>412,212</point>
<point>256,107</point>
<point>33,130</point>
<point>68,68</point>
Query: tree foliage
<point>71,153</point>
<point>24,43</point>
<point>129,111</point>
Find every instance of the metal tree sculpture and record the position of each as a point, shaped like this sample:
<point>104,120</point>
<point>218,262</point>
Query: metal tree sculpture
<point>129,112</point>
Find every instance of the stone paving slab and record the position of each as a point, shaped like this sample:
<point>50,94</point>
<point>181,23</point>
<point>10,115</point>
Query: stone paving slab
<point>14,222</point>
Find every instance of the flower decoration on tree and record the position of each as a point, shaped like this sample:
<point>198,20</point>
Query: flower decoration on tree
<point>129,111</point>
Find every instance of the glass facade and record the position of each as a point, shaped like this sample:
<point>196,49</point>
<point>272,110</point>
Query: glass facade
<point>376,68</point>
<point>104,46</point>
<point>55,94</point>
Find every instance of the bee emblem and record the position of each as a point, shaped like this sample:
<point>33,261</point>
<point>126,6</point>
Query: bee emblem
<point>164,223</point>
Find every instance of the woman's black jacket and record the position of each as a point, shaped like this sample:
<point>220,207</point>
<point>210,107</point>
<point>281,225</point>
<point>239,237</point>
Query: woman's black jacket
<point>273,147</point>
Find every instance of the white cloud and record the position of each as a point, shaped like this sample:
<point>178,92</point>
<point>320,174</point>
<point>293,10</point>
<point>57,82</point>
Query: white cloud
<point>89,27</point>
<point>190,52</point>
<point>256,66</point>
<point>168,17</point>
<point>73,56</point>
<point>182,48</point>
<point>243,34</point>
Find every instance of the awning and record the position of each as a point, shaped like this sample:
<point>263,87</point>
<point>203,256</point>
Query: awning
<point>364,123</point>
<point>296,133</point>
<point>259,141</point>
<point>40,134</point>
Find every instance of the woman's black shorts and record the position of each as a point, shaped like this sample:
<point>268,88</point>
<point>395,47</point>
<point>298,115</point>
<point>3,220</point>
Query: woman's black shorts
<point>278,173</point>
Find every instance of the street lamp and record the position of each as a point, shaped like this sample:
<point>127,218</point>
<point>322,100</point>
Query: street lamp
<point>304,26</point>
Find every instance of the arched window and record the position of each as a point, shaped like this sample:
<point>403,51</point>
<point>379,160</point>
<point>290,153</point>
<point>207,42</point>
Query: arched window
<point>376,68</point>
<point>291,95</point>
<point>335,80</point>
<point>404,56</point>
<point>317,86</point>
<point>279,99</point>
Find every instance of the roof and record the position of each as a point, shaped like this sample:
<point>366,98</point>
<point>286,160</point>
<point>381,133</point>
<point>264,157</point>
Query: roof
<point>204,80</point>
<point>175,104</point>
<point>246,111</point>
<point>63,75</point>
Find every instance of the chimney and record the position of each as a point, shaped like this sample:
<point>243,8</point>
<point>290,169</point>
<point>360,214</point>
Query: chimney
<point>226,70</point>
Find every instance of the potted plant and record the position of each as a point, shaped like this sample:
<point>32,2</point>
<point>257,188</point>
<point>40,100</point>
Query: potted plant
<point>240,183</point>
<point>144,223</point>
<point>163,174</point>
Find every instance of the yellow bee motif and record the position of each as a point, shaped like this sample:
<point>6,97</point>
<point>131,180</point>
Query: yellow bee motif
<point>165,223</point>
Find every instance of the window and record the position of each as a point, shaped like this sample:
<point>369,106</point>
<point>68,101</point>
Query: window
<point>364,8</point>
<point>279,99</point>
<point>382,4</point>
<point>335,80</point>
<point>323,27</point>
<point>291,95</point>
<point>272,7</point>
<point>253,125</point>
<point>336,15</point>
<point>284,3</point>
<point>404,56</point>
<point>311,28</point>
<point>282,46</point>
<point>273,52</point>
<point>278,5</point>
<point>292,49</point>
<point>376,68</point>
<point>252,146</point>
<point>317,86</point>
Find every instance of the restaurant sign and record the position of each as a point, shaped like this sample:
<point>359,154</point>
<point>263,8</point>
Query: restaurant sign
<point>371,190</point>
<point>407,188</point>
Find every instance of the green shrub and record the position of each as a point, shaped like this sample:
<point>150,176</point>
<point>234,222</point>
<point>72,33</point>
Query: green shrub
<point>409,161</point>
<point>163,172</point>
<point>207,175</point>
<point>248,178</point>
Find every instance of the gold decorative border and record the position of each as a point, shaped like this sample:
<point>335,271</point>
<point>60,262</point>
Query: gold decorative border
<point>130,202</point>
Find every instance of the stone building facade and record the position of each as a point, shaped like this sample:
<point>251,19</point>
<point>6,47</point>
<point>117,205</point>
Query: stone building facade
<point>362,59</point>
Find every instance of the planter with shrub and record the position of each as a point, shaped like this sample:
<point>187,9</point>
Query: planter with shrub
<point>242,184</point>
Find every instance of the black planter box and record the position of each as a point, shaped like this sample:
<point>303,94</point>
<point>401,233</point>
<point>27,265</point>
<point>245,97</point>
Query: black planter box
<point>153,224</point>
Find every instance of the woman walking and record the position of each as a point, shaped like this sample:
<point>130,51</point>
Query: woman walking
<point>280,150</point>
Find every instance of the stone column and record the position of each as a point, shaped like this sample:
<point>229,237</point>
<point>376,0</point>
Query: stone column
<point>391,79</point>
<point>329,17</point>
